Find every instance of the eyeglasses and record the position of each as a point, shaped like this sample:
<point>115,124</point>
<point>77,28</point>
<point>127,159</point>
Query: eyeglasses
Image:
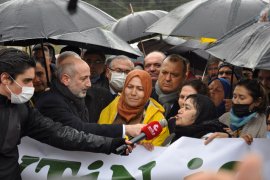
<point>120,70</point>
<point>225,72</point>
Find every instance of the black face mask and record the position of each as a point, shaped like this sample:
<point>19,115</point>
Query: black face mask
<point>241,110</point>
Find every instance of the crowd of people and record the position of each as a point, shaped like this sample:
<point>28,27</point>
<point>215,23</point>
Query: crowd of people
<point>84,100</point>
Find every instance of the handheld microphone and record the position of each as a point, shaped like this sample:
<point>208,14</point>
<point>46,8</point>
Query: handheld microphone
<point>148,132</point>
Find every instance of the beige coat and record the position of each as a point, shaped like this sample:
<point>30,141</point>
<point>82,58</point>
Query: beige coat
<point>256,127</point>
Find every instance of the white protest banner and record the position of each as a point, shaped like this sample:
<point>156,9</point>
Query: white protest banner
<point>181,159</point>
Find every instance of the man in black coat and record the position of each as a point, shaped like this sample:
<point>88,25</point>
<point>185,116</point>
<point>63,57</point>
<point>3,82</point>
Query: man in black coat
<point>65,101</point>
<point>166,92</point>
<point>17,119</point>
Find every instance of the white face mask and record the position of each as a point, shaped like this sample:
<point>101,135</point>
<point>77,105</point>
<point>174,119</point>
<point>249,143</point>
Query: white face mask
<point>117,81</point>
<point>24,96</point>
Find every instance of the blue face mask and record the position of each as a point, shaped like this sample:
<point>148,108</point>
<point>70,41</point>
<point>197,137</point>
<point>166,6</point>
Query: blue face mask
<point>268,134</point>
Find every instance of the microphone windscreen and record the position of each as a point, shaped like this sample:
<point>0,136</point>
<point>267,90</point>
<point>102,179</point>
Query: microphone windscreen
<point>152,130</point>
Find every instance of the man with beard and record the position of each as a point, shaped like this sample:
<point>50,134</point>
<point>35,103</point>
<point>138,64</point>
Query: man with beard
<point>65,101</point>
<point>18,119</point>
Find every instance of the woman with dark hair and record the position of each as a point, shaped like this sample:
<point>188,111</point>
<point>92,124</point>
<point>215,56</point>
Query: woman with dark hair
<point>246,118</point>
<point>196,118</point>
<point>194,86</point>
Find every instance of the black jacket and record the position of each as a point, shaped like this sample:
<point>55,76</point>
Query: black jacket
<point>97,98</point>
<point>18,120</point>
<point>102,82</point>
<point>62,106</point>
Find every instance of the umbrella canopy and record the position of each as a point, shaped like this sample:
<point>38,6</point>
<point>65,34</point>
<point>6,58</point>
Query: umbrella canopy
<point>194,51</point>
<point>189,45</point>
<point>249,47</point>
<point>132,27</point>
<point>97,39</point>
<point>25,22</point>
<point>159,44</point>
<point>207,18</point>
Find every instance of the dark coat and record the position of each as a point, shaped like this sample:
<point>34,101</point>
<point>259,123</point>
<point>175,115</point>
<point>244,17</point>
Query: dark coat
<point>96,100</point>
<point>18,120</point>
<point>102,82</point>
<point>62,106</point>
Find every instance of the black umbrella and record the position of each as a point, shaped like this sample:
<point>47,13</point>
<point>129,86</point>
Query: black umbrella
<point>249,47</point>
<point>25,22</point>
<point>132,27</point>
<point>194,51</point>
<point>207,18</point>
<point>159,44</point>
<point>97,39</point>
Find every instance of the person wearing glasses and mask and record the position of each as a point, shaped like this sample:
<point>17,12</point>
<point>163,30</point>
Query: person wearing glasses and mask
<point>96,62</point>
<point>117,69</point>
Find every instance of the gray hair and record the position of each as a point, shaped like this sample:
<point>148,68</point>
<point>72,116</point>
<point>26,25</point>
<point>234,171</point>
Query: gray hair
<point>120,57</point>
<point>64,56</point>
<point>213,60</point>
<point>67,67</point>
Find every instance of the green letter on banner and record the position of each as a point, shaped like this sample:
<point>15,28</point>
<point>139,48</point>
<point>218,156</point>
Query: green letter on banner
<point>57,167</point>
<point>94,166</point>
<point>26,161</point>
<point>120,172</point>
<point>146,170</point>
